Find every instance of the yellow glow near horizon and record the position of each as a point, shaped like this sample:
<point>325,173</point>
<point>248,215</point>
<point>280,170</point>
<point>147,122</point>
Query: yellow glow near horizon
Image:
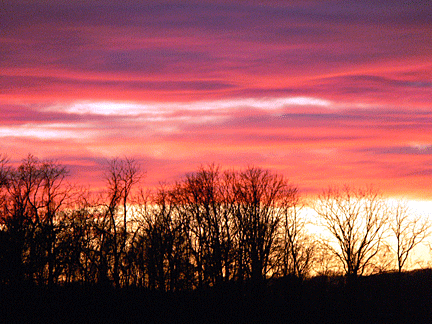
<point>420,256</point>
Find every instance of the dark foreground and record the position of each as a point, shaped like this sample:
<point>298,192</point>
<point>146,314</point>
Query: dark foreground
<point>386,298</point>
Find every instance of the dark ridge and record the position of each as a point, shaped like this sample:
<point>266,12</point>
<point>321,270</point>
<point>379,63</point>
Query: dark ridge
<point>384,298</point>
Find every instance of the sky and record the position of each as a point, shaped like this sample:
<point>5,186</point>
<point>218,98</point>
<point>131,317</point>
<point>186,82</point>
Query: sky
<point>323,92</point>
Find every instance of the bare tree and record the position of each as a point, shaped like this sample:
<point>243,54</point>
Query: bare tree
<point>55,194</point>
<point>160,251</point>
<point>408,230</point>
<point>296,246</point>
<point>34,193</point>
<point>356,220</point>
<point>200,203</point>
<point>4,170</point>
<point>261,198</point>
<point>325,262</point>
<point>121,176</point>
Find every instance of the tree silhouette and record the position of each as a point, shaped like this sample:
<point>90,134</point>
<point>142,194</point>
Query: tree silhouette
<point>209,229</point>
<point>121,176</point>
<point>356,219</point>
<point>408,230</point>
<point>200,203</point>
<point>162,243</point>
<point>297,248</point>
<point>33,194</point>
<point>261,198</point>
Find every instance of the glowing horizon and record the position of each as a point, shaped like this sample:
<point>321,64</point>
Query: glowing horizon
<point>324,93</point>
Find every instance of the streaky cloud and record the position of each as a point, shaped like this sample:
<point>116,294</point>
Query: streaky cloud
<point>134,109</point>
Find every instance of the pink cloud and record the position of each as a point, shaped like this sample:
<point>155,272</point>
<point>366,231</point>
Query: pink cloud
<point>319,91</point>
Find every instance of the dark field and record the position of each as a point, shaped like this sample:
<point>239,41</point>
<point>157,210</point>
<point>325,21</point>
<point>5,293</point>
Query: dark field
<point>385,298</point>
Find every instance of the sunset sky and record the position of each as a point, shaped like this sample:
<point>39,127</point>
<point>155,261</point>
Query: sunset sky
<point>323,92</point>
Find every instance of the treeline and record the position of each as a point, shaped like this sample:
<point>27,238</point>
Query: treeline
<point>211,228</point>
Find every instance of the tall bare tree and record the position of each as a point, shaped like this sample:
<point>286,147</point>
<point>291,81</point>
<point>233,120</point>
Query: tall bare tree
<point>34,193</point>
<point>297,248</point>
<point>260,198</point>
<point>200,203</point>
<point>121,176</point>
<point>408,229</point>
<point>356,220</point>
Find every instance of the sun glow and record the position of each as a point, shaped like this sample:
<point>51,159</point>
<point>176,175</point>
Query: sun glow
<point>421,255</point>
